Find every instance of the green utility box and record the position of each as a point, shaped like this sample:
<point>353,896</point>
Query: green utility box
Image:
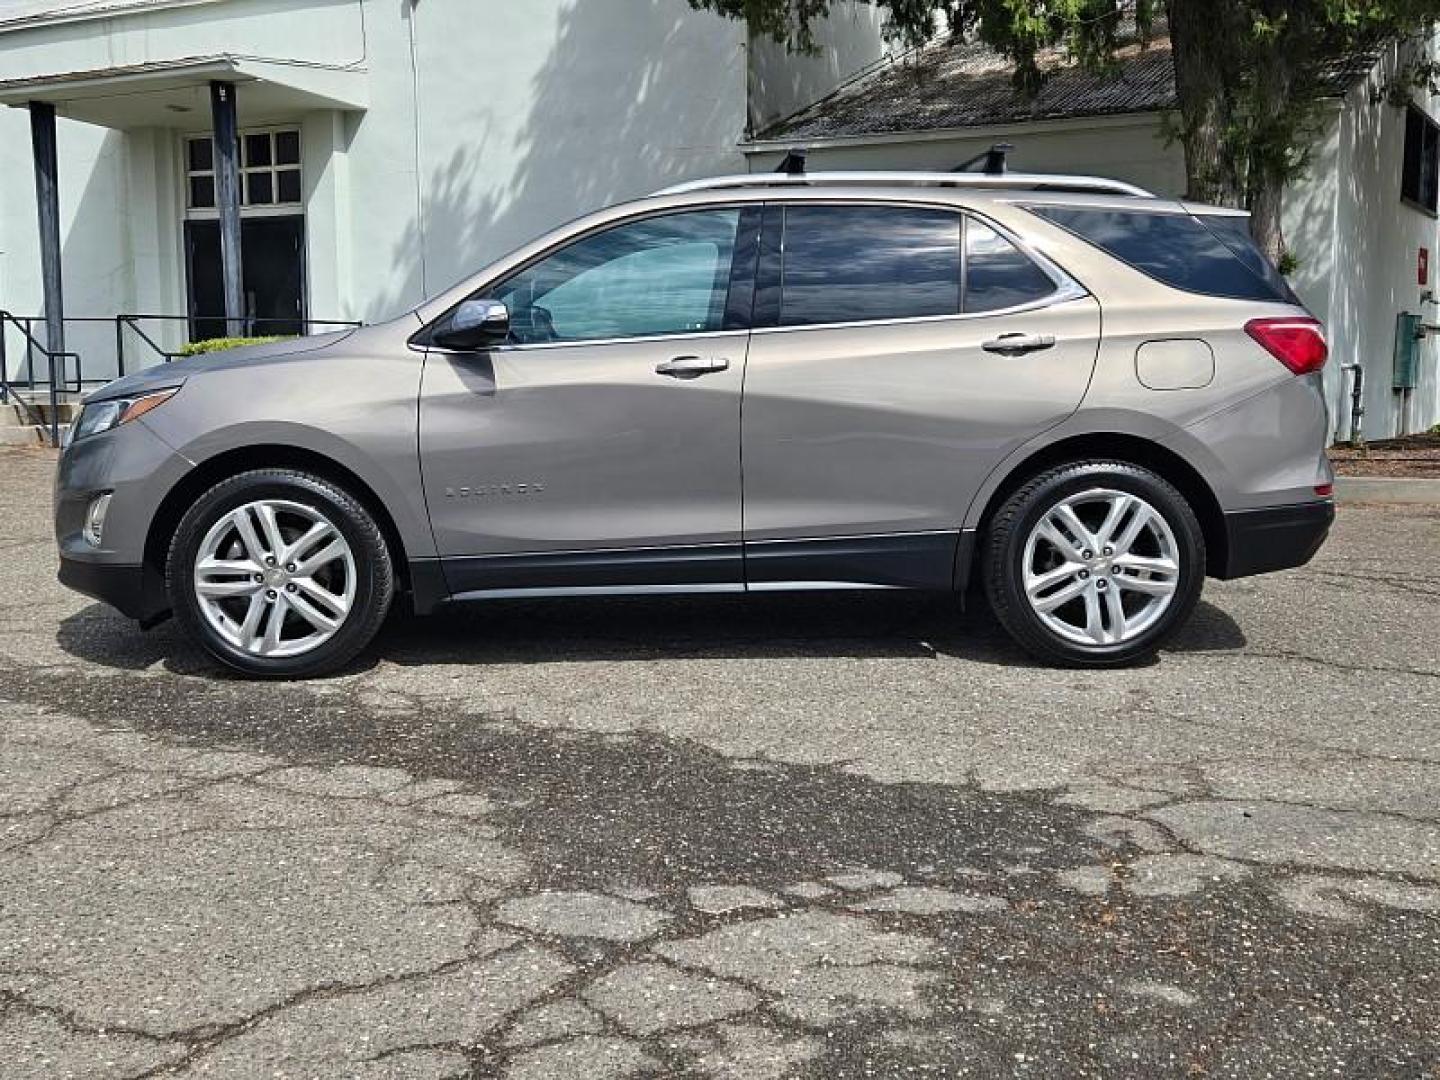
<point>1408,335</point>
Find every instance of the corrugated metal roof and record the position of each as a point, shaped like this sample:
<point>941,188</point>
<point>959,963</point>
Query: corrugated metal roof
<point>952,85</point>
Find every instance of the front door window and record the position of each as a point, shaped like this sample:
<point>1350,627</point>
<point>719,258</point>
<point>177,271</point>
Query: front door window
<point>659,275</point>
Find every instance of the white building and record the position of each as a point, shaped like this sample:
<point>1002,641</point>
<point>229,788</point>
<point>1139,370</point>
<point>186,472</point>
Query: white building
<point>389,147</point>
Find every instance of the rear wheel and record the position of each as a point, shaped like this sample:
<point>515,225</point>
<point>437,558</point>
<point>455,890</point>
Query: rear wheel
<point>1094,563</point>
<point>278,572</point>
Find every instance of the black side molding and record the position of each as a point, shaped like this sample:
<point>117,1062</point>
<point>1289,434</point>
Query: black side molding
<point>704,564</point>
<point>924,560</point>
<point>1275,538</point>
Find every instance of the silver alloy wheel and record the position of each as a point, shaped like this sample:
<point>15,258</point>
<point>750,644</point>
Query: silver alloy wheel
<point>1101,567</point>
<point>275,578</point>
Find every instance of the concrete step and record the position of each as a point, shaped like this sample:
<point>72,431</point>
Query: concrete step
<point>13,412</point>
<point>16,435</point>
<point>18,425</point>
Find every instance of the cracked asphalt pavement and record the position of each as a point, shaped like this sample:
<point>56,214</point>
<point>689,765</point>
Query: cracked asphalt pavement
<point>804,836</point>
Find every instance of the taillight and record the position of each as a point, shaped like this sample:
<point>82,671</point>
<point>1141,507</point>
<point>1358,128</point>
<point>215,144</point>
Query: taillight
<point>1299,344</point>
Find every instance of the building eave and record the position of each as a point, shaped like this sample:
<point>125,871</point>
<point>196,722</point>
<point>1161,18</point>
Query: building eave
<point>81,12</point>
<point>1139,118</point>
<point>158,93</point>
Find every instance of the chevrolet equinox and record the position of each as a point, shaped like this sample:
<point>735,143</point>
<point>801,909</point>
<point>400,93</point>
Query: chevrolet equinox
<point>1075,396</point>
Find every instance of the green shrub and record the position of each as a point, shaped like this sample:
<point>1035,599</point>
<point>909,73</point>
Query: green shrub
<point>219,344</point>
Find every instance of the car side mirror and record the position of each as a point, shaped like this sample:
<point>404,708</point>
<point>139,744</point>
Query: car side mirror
<point>475,324</point>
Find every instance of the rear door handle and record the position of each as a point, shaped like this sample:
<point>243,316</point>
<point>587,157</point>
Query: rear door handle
<point>1019,344</point>
<point>692,367</point>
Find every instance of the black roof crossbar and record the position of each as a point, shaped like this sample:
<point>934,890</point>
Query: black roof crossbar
<point>994,159</point>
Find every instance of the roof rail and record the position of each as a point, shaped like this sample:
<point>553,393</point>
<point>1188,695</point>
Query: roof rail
<point>1014,181</point>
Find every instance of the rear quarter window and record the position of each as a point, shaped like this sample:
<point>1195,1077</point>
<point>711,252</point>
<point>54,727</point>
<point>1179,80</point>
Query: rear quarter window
<point>1179,250</point>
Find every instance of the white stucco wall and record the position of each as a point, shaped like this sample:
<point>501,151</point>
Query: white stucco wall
<point>782,82</point>
<point>1127,148</point>
<point>94,218</point>
<point>1377,240</point>
<point>562,107</point>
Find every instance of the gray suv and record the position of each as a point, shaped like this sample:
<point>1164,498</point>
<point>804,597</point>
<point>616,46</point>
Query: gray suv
<point>1061,390</point>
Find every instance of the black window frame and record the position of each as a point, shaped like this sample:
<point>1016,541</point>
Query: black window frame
<point>1422,143</point>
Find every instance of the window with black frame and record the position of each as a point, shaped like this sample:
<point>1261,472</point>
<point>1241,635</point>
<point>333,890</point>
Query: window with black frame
<point>1420,178</point>
<point>845,264</point>
<point>659,275</point>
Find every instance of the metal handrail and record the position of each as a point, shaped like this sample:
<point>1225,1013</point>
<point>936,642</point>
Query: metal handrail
<point>51,355</point>
<point>10,396</point>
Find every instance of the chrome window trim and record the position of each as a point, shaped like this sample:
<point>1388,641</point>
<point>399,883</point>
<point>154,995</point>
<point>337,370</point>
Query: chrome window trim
<point>594,342</point>
<point>1066,287</point>
<point>1058,297</point>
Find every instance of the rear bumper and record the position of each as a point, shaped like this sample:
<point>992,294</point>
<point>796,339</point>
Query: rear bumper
<point>1275,538</point>
<point>136,591</point>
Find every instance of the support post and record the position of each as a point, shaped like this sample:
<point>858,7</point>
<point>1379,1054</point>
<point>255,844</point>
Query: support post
<point>47,201</point>
<point>227,201</point>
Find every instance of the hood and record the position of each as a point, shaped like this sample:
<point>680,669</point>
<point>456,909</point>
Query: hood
<point>176,372</point>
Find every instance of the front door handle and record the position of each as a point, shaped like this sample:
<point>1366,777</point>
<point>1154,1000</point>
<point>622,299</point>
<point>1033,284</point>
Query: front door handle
<point>1019,344</point>
<point>692,367</point>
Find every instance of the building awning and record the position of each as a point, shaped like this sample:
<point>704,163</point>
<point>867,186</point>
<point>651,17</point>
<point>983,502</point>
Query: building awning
<point>175,93</point>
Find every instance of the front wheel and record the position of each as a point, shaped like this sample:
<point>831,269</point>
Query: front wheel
<point>1094,564</point>
<point>281,573</point>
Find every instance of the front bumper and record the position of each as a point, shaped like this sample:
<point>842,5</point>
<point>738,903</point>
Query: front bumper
<point>135,591</point>
<point>1275,538</point>
<point>138,469</point>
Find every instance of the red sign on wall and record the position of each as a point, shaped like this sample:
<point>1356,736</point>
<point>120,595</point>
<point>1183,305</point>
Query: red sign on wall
<point>1424,266</point>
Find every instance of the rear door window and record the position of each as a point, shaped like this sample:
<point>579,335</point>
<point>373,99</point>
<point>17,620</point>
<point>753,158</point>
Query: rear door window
<point>864,263</point>
<point>1177,250</point>
<point>999,275</point>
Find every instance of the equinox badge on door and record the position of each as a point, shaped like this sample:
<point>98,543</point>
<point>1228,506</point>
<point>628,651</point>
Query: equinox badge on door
<point>484,490</point>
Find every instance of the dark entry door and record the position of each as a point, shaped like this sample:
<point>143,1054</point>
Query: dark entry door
<point>273,276</point>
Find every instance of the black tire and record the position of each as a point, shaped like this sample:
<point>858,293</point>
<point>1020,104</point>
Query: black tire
<point>374,581</point>
<point>1003,556</point>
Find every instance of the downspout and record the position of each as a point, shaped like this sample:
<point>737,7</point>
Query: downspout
<point>410,6</point>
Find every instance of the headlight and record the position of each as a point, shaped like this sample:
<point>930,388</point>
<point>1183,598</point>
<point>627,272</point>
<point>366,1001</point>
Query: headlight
<point>101,416</point>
